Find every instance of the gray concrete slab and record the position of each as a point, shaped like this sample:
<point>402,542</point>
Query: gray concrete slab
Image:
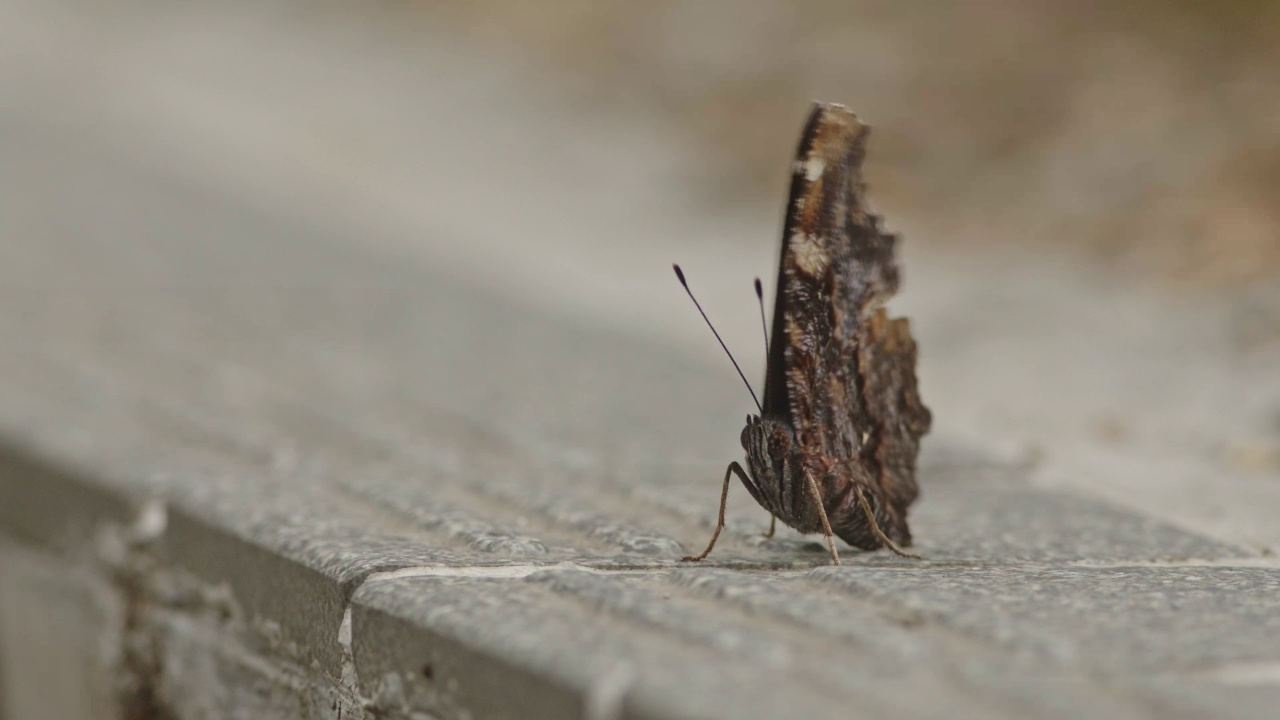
<point>592,633</point>
<point>1125,620</point>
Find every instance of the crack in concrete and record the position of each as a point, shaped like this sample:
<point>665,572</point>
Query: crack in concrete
<point>131,570</point>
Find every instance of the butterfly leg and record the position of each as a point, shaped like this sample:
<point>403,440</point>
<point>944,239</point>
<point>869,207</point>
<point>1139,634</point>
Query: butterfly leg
<point>875,526</point>
<point>734,467</point>
<point>773,525</point>
<point>822,515</point>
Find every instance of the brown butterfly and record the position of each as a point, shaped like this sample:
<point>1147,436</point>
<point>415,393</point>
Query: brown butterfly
<point>834,447</point>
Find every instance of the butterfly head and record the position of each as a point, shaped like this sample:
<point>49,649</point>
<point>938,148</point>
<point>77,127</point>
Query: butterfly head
<point>772,454</point>
<point>769,437</point>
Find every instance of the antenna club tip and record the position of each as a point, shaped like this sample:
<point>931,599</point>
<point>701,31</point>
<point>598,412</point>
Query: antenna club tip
<point>679,274</point>
<point>759,288</point>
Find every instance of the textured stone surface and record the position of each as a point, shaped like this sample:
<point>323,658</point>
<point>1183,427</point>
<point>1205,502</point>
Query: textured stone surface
<point>287,468</point>
<point>695,642</point>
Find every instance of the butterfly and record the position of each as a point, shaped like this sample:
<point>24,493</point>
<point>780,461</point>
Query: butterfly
<point>834,447</point>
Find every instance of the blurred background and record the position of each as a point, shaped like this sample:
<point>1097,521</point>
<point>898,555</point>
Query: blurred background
<point>1087,191</point>
<point>1141,134</point>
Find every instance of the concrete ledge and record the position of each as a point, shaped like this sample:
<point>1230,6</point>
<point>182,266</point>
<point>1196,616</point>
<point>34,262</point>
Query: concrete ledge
<point>249,611</point>
<point>48,502</point>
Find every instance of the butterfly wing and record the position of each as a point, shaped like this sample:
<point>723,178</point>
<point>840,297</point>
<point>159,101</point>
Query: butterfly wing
<point>841,373</point>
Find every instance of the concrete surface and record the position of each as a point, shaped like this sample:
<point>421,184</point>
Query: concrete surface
<point>296,422</point>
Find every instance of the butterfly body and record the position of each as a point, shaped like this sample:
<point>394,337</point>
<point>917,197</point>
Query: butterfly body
<point>778,468</point>
<point>833,449</point>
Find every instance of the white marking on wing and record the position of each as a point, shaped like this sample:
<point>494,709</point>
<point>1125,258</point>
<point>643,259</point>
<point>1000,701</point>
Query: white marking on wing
<point>810,256</point>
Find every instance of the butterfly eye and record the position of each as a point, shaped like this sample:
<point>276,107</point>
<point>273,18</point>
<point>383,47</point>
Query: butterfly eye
<point>779,442</point>
<point>746,434</point>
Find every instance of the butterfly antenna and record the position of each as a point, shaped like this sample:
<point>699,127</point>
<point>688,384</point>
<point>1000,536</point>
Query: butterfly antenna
<point>680,275</point>
<point>763,325</point>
